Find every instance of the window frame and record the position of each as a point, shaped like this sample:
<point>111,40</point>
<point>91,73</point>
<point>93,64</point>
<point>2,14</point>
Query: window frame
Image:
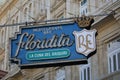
<point>83,68</point>
<point>83,7</point>
<point>58,72</point>
<point>111,65</point>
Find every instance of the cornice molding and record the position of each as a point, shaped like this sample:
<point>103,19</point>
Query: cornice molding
<point>117,14</point>
<point>113,14</point>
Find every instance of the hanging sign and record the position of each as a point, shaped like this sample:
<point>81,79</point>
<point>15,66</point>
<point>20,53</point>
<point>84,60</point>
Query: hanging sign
<point>52,44</point>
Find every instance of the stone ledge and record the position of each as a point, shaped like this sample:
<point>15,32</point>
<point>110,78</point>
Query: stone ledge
<point>112,76</point>
<point>117,14</point>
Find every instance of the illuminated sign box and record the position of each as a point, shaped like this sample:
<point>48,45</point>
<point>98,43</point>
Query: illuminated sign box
<point>48,44</point>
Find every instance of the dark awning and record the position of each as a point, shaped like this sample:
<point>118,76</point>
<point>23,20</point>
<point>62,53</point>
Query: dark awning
<point>2,74</point>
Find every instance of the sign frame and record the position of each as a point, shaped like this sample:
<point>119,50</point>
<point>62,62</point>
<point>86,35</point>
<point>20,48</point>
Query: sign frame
<point>49,23</point>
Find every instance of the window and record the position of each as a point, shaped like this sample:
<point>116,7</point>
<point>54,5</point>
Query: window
<point>114,56</point>
<point>114,62</point>
<point>60,74</point>
<point>85,72</point>
<point>118,55</point>
<point>83,2</point>
<point>83,7</point>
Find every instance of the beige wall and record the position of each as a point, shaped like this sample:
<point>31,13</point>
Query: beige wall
<point>108,29</point>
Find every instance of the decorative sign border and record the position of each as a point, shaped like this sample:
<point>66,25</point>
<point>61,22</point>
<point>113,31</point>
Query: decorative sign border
<point>50,43</point>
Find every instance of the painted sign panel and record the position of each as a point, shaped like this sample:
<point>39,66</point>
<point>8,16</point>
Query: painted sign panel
<point>50,44</point>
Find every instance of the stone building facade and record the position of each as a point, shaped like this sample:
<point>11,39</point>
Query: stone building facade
<point>104,65</point>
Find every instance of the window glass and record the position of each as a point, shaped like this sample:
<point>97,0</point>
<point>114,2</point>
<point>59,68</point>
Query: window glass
<point>86,10</point>
<point>114,63</point>
<point>110,64</point>
<point>119,61</point>
<point>84,74</point>
<point>88,73</point>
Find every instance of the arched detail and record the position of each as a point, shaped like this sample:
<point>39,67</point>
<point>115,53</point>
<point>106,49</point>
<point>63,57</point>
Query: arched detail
<point>25,14</point>
<point>30,11</point>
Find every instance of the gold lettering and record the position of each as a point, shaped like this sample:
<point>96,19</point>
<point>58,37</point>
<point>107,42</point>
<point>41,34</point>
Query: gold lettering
<point>88,42</point>
<point>82,43</point>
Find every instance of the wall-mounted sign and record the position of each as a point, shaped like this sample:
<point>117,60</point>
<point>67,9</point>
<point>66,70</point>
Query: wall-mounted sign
<point>53,43</point>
